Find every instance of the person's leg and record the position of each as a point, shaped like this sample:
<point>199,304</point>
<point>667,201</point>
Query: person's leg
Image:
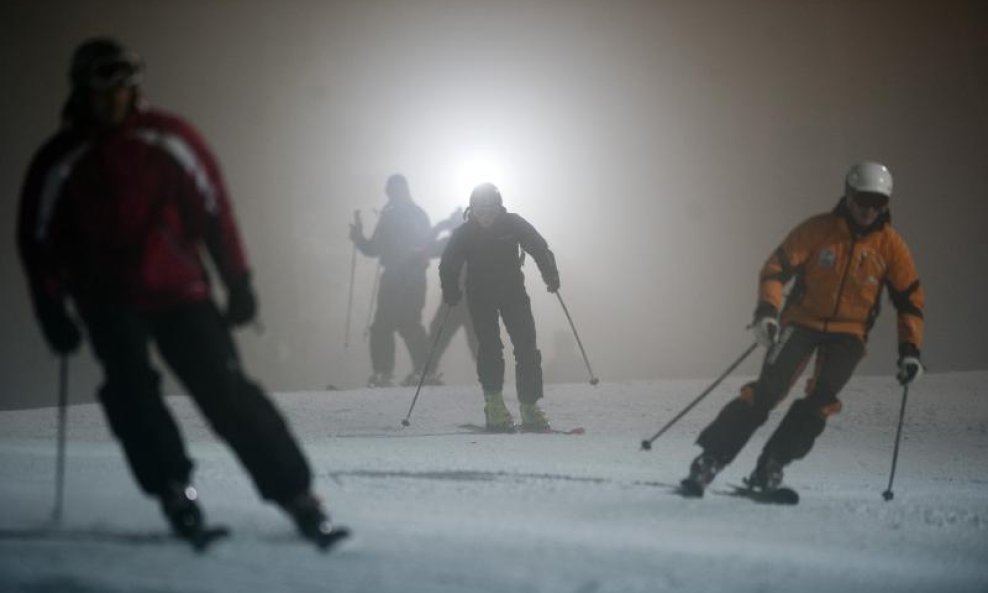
<point>472,341</point>
<point>132,402</point>
<point>517,314</point>
<point>408,320</point>
<point>724,438</point>
<point>195,342</point>
<point>490,352</point>
<point>490,363</point>
<point>382,339</point>
<point>837,357</point>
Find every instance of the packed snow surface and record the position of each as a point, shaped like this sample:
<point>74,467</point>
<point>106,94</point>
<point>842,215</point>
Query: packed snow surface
<point>436,508</point>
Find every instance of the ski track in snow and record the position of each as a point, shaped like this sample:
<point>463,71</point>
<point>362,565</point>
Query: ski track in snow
<point>437,509</point>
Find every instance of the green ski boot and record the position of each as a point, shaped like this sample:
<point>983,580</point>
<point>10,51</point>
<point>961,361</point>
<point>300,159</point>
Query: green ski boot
<point>533,419</point>
<point>496,414</point>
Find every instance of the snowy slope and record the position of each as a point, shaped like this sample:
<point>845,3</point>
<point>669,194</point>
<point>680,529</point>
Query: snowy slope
<point>437,509</point>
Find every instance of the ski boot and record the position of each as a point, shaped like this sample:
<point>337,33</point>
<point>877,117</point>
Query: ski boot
<point>380,380</point>
<point>496,414</point>
<point>703,470</point>
<point>179,505</point>
<point>434,379</point>
<point>312,521</point>
<point>533,418</point>
<point>766,477</point>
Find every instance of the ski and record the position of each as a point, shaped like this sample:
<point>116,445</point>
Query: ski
<point>201,539</point>
<point>325,541</point>
<point>782,495</point>
<point>689,489</point>
<point>480,429</point>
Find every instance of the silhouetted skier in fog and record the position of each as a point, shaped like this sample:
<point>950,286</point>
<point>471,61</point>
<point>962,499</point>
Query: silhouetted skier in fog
<point>491,244</point>
<point>402,240</point>
<point>113,213</point>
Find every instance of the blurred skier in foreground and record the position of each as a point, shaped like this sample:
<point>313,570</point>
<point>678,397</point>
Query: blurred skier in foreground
<point>114,210</point>
<point>492,243</point>
<point>839,263</point>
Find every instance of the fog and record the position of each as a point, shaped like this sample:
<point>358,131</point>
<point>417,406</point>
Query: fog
<point>662,148</point>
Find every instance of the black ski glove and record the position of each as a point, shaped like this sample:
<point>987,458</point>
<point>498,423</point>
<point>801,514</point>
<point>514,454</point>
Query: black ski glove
<point>241,305</point>
<point>552,283</point>
<point>59,330</point>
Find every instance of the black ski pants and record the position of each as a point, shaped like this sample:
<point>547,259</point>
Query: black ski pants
<point>194,341</point>
<point>515,308</point>
<point>400,299</point>
<point>837,357</point>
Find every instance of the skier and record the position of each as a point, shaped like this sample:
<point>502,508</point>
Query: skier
<point>839,263</point>
<point>492,243</point>
<point>455,318</point>
<point>114,209</point>
<point>402,240</point>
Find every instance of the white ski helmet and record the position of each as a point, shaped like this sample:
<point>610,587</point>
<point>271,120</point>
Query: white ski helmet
<point>869,177</point>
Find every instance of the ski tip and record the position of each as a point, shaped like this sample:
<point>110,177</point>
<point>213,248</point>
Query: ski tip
<point>206,537</point>
<point>326,541</point>
<point>783,495</point>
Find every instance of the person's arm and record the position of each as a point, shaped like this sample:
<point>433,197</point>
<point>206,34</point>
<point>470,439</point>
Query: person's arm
<point>208,196</point>
<point>782,265</point>
<point>535,245</point>
<point>38,201</point>
<point>906,293</point>
<point>369,247</point>
<point>451,266</point>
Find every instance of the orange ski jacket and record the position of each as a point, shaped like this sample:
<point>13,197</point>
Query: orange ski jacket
<point>839,272</point>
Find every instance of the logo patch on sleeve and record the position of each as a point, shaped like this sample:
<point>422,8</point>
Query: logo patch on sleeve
<point>827,258</point>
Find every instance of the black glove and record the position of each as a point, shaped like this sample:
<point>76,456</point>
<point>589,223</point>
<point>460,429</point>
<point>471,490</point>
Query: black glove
<point>910,369</point>
<point>552,283</point>
<point>452,298</point>
<point>241,305</point>
<point>60,331</point>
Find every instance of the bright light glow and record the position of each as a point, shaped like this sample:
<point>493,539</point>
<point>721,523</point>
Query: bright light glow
<point>474,167</point>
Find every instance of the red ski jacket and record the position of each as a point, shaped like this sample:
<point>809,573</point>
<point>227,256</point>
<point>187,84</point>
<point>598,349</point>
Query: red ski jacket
<point>120,217</point>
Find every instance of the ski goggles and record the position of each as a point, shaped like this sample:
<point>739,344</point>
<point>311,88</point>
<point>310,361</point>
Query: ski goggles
<point>872,200</point>
<point>121,71</point>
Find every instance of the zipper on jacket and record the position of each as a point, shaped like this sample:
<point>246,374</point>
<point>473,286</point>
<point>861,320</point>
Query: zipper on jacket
<point>843,280</point>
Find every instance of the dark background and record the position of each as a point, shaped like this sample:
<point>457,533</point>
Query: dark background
<point>663,149</point>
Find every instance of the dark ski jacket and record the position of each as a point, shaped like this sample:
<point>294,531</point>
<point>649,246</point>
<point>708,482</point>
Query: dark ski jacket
<point>120,216</point>
<point>494,256</point>
<point>402,238</point>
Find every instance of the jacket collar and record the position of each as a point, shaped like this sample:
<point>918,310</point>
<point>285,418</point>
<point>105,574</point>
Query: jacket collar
<point>842,211</point>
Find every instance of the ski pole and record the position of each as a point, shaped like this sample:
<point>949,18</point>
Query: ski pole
<point>63,397</point>
<point>370,307</point>
<point>349,301</point>
<point>428,363</point>
<point>593,380</point>
<point>888,495</point>
<point>647,444</point>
